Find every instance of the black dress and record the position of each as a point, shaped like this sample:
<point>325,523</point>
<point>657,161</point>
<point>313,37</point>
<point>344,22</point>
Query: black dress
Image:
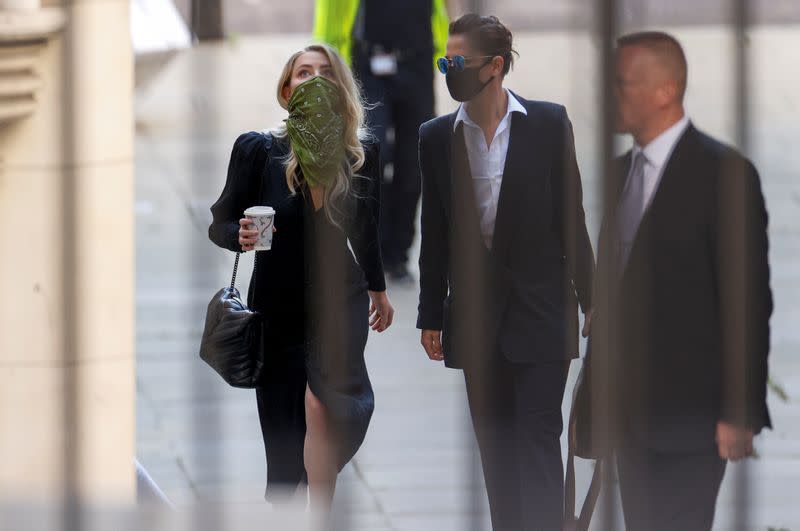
<point>313,294</point>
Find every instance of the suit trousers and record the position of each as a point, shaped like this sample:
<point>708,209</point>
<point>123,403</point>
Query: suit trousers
<point>516,414</point>
<point>669,491</point>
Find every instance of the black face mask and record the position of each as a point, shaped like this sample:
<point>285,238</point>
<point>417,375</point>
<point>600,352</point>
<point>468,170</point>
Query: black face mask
<point>465,85</point>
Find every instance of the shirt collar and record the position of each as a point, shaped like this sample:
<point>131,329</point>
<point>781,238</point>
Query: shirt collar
<point>660,148</point>
<point>514,105</point>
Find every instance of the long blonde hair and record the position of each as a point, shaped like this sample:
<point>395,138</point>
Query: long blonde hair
<point>355,129</point>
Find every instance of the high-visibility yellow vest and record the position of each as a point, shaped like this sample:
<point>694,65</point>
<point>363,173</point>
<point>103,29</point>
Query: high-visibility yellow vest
<point>334,21</point>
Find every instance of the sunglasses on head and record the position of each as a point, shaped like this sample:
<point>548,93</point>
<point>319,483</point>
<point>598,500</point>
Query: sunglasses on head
<point>458,62</point>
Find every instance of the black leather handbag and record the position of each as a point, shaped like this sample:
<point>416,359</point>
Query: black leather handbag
<point>232,338</point>
<point>232,342</point>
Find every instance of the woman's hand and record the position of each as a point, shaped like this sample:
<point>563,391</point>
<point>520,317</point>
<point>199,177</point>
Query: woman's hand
<point>248,237</point>
<point>381,312</point>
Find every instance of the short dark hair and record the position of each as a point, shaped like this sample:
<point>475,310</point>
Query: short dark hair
<point>668,50</point>
<point>488,35</point>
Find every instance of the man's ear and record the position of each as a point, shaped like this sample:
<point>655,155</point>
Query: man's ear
<point>498,63</point>
<point>667,93</point>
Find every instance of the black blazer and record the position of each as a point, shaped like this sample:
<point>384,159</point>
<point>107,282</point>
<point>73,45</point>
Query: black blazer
<point>521,296</point>
<point>694,302</point>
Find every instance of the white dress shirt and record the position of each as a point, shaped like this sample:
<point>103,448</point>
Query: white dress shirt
<point>657,154</point>
<point>487,163</point>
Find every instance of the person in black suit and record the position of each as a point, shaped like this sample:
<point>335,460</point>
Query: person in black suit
<point>683,253</point>
<point>505,259</point>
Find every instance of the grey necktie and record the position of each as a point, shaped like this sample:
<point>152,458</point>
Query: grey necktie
<point>630,208</point>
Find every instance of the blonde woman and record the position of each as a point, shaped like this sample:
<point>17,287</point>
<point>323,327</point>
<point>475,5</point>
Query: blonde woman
<point>319,171</point>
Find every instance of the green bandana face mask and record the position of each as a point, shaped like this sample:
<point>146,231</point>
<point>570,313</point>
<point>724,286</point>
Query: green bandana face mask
<point>316,129</point>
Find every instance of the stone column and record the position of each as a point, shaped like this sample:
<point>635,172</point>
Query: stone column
<point>67,371</point>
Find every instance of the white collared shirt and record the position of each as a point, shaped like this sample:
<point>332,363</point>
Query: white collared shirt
<point>488,162</point>
<point>657,154</point>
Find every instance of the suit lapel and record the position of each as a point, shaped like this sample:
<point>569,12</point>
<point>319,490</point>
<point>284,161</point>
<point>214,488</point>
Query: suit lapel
<point>674,166</point>
<point>524,172</point>
<point>461,187</point>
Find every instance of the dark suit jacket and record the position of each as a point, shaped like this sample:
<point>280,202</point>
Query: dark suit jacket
<point>694,302</point>
<point>521,296</point>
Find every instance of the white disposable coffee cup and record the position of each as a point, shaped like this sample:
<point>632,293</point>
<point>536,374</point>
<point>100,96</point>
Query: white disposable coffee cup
<point>263,218</point>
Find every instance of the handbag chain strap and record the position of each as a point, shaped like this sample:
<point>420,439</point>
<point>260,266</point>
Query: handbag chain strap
<point>236,269</point>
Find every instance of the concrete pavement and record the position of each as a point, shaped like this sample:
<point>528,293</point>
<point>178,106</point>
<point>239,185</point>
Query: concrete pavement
<point>200,440</point>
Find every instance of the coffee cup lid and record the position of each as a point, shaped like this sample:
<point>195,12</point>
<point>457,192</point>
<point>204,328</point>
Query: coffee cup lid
<point>259,211</point>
